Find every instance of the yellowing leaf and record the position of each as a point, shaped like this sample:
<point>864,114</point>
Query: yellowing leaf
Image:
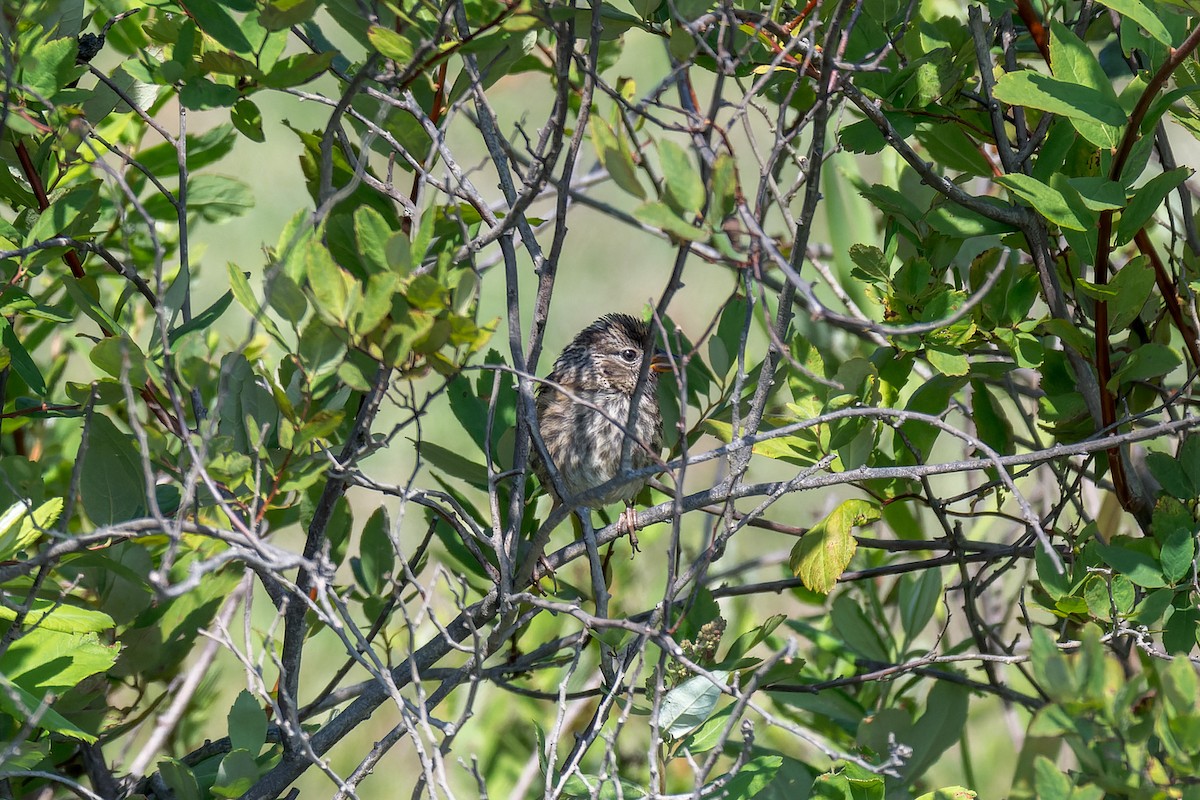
<point>822,554</point>
<point>390,44</point>
<point>614,153</point>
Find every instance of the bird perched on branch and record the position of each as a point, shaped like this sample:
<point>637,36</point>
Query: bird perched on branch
<point>583,411</point>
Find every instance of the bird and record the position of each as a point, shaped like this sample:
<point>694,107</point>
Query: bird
<point>583,408</point>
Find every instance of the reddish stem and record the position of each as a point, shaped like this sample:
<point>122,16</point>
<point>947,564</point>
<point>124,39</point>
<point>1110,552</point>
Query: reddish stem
<point>1170,294</point>
<point>1104,248</point>
<point>1036,29</point>
<point>803,15</point>
<point>43,201</point>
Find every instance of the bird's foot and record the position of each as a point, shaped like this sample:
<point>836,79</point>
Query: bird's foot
<point>628,523</point>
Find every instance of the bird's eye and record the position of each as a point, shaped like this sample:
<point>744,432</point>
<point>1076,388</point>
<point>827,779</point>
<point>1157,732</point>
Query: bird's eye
<point>629,354</point>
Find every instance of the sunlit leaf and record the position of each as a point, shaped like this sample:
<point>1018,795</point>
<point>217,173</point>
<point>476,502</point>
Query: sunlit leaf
<point>825,550</point>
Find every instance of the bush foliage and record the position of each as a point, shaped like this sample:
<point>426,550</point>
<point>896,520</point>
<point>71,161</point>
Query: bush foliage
<point>927,521</point>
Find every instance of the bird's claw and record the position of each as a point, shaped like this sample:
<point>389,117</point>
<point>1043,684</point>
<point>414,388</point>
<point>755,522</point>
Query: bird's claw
<point>629,524</point>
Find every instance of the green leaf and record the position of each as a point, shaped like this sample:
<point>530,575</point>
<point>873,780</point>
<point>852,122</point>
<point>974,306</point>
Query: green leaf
<point>893,204</point>
<point>937,729</point>
<point>951,146</point>
<point>203,320</point>
<point>1095,114</point>
<point>26,755</point>
<point>112,485</point>
<point>285,297</point>
<point>15,538</point>
<point>20,360</point>
<point>723,201</point>
<point>72,214</point>
<point>455,464</point>
<point>1049,781</point>
<point>794,449</point>
<point>689,704</point>
<point>122,359</point>
<point>1071,60</point>
<point>870,264</point>
<point>377,553</point>
<point>1179,686</point>
<point>748,640</point>
<point>645,8</point>
<point>755,776</point>
<point>947,360</point>
<point>581,786</point>
<point>372,233</point>
<point>723,347</point>
<point>235,775</point>
<point>863,137</point>
<point>918,600</point>
<point>932,397</point>
<point>1146,200</point>
<point>50,66</point>
<point>283,14</point>
<point>1175,529</point>
<point>376,304</point>
<point>825,550</point>
<point>1056,584</point>
<point>857,632</point>
<point>709,735</point>
<point>1050,666</point>
<point>44,660</point>
<point>1146,362</point>
<point>213,18</point>
<point>1179,634</point>
<point>661,216</point>
<point>180,779</point>
<point>201,94</point>
<point>1132,285</point>
<point>1150,610</point>
<point>15,300</point>
<point>613,20</point>
<point>62,617</point>
<point>468,409</point>
<point>24,706</point>
<point>401,254</point>
<point>107,391</point>
<point>335,292</point>
<point>245,406</point>
<point>202,149</point>
<point>1098,192</point>
<point>1059,203</point>
<point>613,151</point>
<point>955,220</point>
<point>685,190</point>
<point>213,197</point>
<point>246,117</point>
<point>297,69</point>
<point>1189,457</point>
<point>239,284</point>
<point>247,724</point>
<point>1102,596</point>
<point>1133,558</point>
<point>390,44</point>
<point>1143,15</point>
<point>991,424</point>
<point>950,793</point>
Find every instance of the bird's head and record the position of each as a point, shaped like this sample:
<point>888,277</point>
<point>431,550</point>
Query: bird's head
<point>607,356</point>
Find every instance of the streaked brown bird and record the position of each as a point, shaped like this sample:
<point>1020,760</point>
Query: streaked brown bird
<point>583,411</point>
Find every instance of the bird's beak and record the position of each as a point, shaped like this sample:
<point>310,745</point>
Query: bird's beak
<point>660,362</point>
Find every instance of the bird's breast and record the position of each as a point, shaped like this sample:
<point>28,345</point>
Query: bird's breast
<point>587,449</point>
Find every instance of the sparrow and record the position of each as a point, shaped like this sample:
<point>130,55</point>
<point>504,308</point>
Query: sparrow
<point>583,408</point>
